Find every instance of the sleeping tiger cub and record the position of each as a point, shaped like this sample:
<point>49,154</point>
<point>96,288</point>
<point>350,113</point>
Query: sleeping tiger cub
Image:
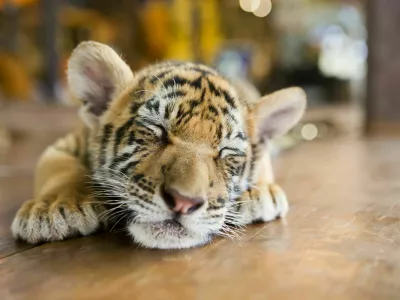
<point>174,151</point>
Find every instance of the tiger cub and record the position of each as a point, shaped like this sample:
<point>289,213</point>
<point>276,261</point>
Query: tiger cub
<point>175,151</point>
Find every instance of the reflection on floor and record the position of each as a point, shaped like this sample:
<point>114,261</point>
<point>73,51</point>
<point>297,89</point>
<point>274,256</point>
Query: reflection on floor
<point>340,240</point>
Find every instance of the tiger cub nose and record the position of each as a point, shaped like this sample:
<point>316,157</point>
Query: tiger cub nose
<point>180,203</point>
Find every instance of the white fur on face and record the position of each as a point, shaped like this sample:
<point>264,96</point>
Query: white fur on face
<point>166,235</point>
<point>153,224</point>
<point>158,229</point>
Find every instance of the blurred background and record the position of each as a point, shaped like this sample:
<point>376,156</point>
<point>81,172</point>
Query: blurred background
<point>320,45</point>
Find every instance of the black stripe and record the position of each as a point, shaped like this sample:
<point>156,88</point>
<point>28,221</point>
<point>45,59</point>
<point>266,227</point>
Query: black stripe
<point>138,177</point>
<point>179,80</point>
<point>129,166</point>
<point>241,136</point>
<point>148,122</point>
<point>153,105</point>
<point>145,131</point>
<point>213,109</point>
<point>175,94</point>
<point>229,99</point>
<point>197,83</point>
<point>181,118</point>
<point>180,110</point>
<point>62,212</point>
<point>219,131</point>
<point>181,114</point>
<point>214,207</point>
<point>132,138</point>
<point>167,111</point>
<point>139,123</point>
<point>164,133</point>
<point>139,142</point>
<point>243,167</point>
<point>107,131</point>
<point>175,81</point>
<point>225,110</point>
<point>135,107</point>
<point>252,161</point>
<point>119,135</point>
<point>237,151</point>
<point>194,103</point>
<point>220,92</point>
<point>79,206</point>
<point>203,93</point>
<point>213,89</point>
<point>120,159</point>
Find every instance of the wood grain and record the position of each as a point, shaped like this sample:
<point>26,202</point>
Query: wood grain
<point>340,241</point>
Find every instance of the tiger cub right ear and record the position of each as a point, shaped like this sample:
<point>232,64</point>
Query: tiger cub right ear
<point>96,75</point>
<point>277,113</point>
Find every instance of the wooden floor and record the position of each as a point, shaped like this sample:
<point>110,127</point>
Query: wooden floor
<point>341,239</point>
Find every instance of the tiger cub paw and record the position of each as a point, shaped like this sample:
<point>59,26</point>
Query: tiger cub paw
<point>43,221</point>
<point>263,204</point>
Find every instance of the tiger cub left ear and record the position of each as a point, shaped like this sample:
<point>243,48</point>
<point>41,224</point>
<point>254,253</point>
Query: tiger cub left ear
<point>277,113</point>
<point>96,75</point>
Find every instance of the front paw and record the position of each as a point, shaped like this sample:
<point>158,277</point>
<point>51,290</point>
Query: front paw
<point>263,203</point>
<point>55,219</point>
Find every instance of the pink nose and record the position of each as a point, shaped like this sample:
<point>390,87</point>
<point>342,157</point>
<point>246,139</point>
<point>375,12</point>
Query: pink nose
<point>181,204</point>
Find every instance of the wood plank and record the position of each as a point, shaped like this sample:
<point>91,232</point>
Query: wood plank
<point>339,241</point>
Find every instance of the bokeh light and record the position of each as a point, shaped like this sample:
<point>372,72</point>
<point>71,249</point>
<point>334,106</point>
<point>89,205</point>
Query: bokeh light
<point>263,9</point>
<point>250,5</point>
<point>309,132</point>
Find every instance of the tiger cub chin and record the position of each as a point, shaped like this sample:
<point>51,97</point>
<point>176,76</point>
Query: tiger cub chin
<point>176,154</point>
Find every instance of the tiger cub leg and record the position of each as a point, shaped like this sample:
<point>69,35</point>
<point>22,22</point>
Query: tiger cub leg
<point>62,206</point>
<point>270,117</point>
<point>263,203</point>
<point>265,200</point>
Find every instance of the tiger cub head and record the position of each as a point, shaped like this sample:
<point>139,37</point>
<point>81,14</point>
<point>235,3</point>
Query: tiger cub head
<point>172,146</point>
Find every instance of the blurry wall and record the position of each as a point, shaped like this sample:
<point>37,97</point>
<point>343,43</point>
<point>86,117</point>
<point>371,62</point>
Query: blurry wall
<point>383,106</point>
<point>316,44</point>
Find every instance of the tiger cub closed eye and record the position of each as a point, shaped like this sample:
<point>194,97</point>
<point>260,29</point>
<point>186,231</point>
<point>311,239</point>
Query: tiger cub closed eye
<point>175,152</point>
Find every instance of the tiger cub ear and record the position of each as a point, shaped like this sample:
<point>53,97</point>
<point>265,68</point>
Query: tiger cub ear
<point>97,74</point>
<point>276,113</point>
